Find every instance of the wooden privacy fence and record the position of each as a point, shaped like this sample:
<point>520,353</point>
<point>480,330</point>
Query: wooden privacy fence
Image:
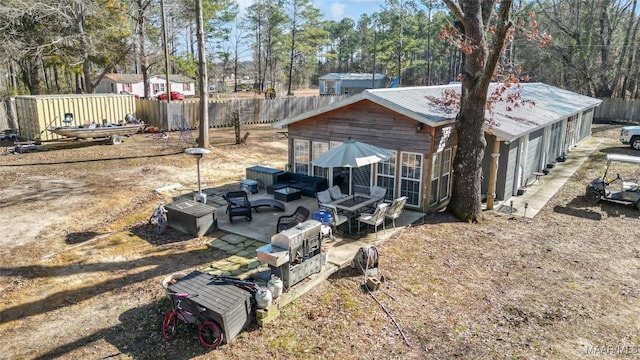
<point>618,110</point>
<point>184,114</point>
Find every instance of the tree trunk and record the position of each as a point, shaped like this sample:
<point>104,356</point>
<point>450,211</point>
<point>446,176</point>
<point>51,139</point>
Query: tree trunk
<point>84,52</point>
<point>203,131</point>
<point>479,62</point>
<point>465,200</point>
<point>293,47</point>
<point>33,74</point>
<point>142,39</point>
<point>56,78</point>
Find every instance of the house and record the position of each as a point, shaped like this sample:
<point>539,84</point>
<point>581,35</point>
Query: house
<point>179,83</point>
<point>134,84</point>
<point>350,83</point>
<point>121,84</point>
<point>421,135</point>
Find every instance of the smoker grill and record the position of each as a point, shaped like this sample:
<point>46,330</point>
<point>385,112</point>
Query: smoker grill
<point>294,254</point>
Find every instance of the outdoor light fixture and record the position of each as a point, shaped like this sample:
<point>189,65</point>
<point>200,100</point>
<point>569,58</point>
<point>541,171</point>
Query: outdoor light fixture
<point>419,126</point>
<point>198,152</point>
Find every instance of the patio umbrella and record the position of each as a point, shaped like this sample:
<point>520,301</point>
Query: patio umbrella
<point>352,154</point>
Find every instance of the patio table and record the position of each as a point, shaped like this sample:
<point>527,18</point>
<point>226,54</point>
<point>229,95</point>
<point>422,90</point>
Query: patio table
<point>352,205</point>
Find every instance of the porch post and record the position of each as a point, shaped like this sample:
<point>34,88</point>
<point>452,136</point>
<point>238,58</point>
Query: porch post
<point>493,173</point>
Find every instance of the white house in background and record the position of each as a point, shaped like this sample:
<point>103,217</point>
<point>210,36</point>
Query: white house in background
<point>179,83</point>
<point>121,84</point>
<point>134,85</point>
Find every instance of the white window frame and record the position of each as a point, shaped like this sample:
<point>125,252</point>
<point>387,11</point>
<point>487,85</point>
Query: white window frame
<point>434,184</point>
<point>417,176</point>
<point>318,148</point>
<point>391,164</point>
<point>445,184</point>
<point>300,158</point>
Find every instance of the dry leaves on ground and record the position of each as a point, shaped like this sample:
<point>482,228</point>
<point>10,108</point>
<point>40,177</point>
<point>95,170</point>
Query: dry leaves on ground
<point>561,285</point>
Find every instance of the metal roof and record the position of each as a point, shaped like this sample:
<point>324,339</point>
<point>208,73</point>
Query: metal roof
<point>124,78</point>
<point>351,76</point>
<point>550,104</point>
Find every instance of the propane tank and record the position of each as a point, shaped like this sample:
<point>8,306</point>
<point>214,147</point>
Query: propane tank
<point>275,286</point>
<point>263,298</point>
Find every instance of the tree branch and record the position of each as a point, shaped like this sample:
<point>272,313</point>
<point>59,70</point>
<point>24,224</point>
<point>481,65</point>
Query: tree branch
<point>504,24</point>
<point>456,10</point>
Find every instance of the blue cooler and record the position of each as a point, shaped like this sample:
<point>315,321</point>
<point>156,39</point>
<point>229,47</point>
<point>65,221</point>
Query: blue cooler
<point>249,185</point>
<point>323,216</point>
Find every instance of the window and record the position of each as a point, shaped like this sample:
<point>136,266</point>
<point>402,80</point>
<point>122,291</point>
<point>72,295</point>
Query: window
<point>440,176</point>
<point>386,176</point>
<point>320,148</point>
<point>410,174</point>
<point>435,179</point>
<point>301,157</point>
<point>446,174</point>
<point>330,87</point>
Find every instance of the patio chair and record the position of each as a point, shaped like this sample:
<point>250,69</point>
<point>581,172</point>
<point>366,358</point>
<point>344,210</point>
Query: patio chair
<point>395,210</point>
<point>324,197</point>
<point>376,219</point>
<point>338,219</point>
<point>336,193</point>
<point>238,205</point>
<point>288,221</point>
<point>378,193</point>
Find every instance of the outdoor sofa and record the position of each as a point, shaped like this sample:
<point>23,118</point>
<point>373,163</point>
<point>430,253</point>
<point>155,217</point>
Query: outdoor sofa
<point>309,185</point>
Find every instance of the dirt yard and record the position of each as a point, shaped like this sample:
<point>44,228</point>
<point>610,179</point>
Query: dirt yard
<point>80,268</point>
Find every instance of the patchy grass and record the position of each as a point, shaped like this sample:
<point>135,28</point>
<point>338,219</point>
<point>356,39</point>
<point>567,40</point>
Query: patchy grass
<point>557,286</point>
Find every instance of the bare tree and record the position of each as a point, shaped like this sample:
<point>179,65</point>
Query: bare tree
<point>482,45</point>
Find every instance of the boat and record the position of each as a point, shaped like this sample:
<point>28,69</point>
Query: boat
<point>95,131</point>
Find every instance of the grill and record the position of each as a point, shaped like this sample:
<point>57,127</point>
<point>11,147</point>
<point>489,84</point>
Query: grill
<point>294,254</point>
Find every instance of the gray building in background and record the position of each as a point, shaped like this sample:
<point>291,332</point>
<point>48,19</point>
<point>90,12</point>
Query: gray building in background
<point>351,83</point>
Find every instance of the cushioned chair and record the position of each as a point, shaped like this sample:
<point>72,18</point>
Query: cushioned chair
<point>378,192</point>
<point>376,219</point>
<point>238,205</point>
<point>336,193</point>
<point>338,219</point>
<point>395,210</point>
<point>324,197</point>
<point>288,221</point>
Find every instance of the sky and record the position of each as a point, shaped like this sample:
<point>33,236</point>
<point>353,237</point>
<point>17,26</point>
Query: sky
<point>338,9</point>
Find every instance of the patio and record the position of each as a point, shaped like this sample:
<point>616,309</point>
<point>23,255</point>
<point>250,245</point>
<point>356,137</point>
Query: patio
<point>341,250</point>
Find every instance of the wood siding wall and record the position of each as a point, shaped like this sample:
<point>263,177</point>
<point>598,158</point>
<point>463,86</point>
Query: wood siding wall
<point>373,124</point>
<point>366,122</point>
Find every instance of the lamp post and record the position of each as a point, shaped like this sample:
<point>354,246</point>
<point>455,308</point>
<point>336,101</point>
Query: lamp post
<point>198,152</point>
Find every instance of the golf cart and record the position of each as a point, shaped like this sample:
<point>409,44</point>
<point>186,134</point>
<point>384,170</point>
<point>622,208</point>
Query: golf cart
<point>615,188</point>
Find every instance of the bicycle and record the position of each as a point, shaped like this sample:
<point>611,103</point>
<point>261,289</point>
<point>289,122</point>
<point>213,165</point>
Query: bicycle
<point>209,332</point>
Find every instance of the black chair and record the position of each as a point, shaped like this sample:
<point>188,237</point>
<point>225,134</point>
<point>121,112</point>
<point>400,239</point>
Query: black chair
<point>238,205</point>
<point>288,221</point>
